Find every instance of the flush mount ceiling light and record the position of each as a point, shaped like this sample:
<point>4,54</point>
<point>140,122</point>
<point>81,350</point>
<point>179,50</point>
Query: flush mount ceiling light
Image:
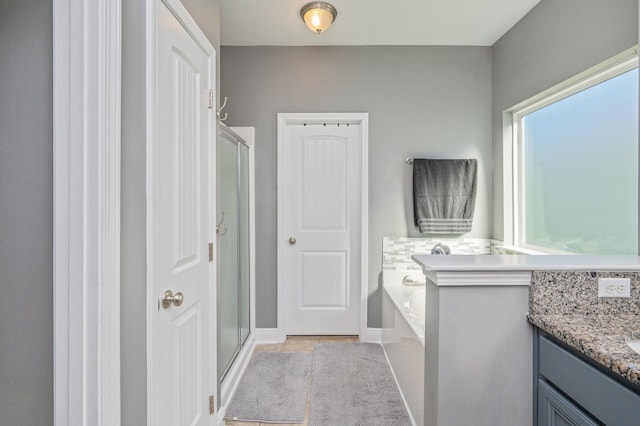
<point>318,15</point>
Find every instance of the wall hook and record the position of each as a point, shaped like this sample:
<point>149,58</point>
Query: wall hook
<point>219,111</point>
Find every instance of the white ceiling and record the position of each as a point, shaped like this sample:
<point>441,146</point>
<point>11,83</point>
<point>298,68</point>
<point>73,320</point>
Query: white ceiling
<point>372,22</point>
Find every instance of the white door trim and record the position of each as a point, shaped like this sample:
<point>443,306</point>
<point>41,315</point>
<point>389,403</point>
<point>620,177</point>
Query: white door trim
<point>182,15</point>
<point>296,118</point>
<point>86,222</point>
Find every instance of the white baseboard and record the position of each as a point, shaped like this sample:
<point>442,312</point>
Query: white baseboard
<point>268,335</point>
<point>274,335</point>
<point>374,335</point>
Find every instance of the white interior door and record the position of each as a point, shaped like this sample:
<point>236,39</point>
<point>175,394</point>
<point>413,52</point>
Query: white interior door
<point>321,224</point>
<point>182,215</point>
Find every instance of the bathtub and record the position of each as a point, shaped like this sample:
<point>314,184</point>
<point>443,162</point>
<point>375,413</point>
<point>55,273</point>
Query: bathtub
<point>403,313</point>
<point>416,306</point>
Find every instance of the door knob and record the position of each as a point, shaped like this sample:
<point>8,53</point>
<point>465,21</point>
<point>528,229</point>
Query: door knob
<point>168,298</point>
<point>292,240</point>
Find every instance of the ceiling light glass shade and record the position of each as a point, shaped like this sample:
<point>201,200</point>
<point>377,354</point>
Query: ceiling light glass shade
<point>318,15</point>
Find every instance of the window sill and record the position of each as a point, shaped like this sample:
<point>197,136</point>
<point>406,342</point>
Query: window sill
<point>522,250</point>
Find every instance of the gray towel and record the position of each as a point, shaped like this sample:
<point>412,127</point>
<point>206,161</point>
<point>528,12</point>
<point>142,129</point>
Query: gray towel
<point>444,195</point>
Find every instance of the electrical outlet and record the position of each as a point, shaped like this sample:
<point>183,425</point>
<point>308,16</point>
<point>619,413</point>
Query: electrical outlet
<point>614,287</point>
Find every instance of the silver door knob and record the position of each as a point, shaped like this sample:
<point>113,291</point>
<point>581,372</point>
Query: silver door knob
<point>292,240</point>
<point>169,298</point>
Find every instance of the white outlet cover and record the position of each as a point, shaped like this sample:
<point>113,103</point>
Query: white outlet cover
<point>614,287</point>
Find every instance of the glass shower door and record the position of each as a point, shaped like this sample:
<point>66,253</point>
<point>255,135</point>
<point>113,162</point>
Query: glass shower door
<point>228,255</point>
<point>233,248</point>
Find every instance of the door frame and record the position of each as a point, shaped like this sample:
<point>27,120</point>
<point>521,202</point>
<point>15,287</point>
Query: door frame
<point>362,119</point>
<point>86,211</point>
<point>182,15</point>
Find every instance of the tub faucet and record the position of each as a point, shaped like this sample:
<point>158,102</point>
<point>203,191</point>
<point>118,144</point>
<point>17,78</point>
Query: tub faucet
<point>440,249</point>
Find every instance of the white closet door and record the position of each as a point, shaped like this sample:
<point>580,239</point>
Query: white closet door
<point>322,213</point>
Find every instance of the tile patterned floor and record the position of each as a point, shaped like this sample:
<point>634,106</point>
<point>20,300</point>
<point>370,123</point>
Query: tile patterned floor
<point>295,344</point>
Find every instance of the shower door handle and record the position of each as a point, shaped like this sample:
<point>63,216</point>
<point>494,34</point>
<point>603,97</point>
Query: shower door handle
<point>219,229</point>
<point>292,240</point>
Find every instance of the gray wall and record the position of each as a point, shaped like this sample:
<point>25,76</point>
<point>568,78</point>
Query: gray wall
<point>555,41</point>
<point>26,213</point>
<point>133,234</point>
<point>133,291</point>
<point>422,102</point>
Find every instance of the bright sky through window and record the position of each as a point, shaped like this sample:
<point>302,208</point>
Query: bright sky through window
<point>580,170</point>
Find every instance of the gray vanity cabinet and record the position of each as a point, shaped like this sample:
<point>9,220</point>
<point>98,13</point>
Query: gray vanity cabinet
<point>572,391</point>
<point>556,410</point>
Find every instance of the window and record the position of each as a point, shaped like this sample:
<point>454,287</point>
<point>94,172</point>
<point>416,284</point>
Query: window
<point>575,164</point>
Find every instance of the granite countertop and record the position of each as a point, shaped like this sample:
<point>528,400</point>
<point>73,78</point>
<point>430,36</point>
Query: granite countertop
<point>600,337</point>
<point>566,305</point>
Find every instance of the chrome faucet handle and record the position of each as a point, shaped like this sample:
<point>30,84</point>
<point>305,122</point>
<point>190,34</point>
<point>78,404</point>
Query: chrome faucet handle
<point>440,249</point>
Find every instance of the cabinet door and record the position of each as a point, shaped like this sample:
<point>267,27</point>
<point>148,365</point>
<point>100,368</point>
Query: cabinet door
<point>555,410</point>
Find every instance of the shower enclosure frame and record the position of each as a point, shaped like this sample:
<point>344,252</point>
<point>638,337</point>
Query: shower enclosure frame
<point>229,378</point>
